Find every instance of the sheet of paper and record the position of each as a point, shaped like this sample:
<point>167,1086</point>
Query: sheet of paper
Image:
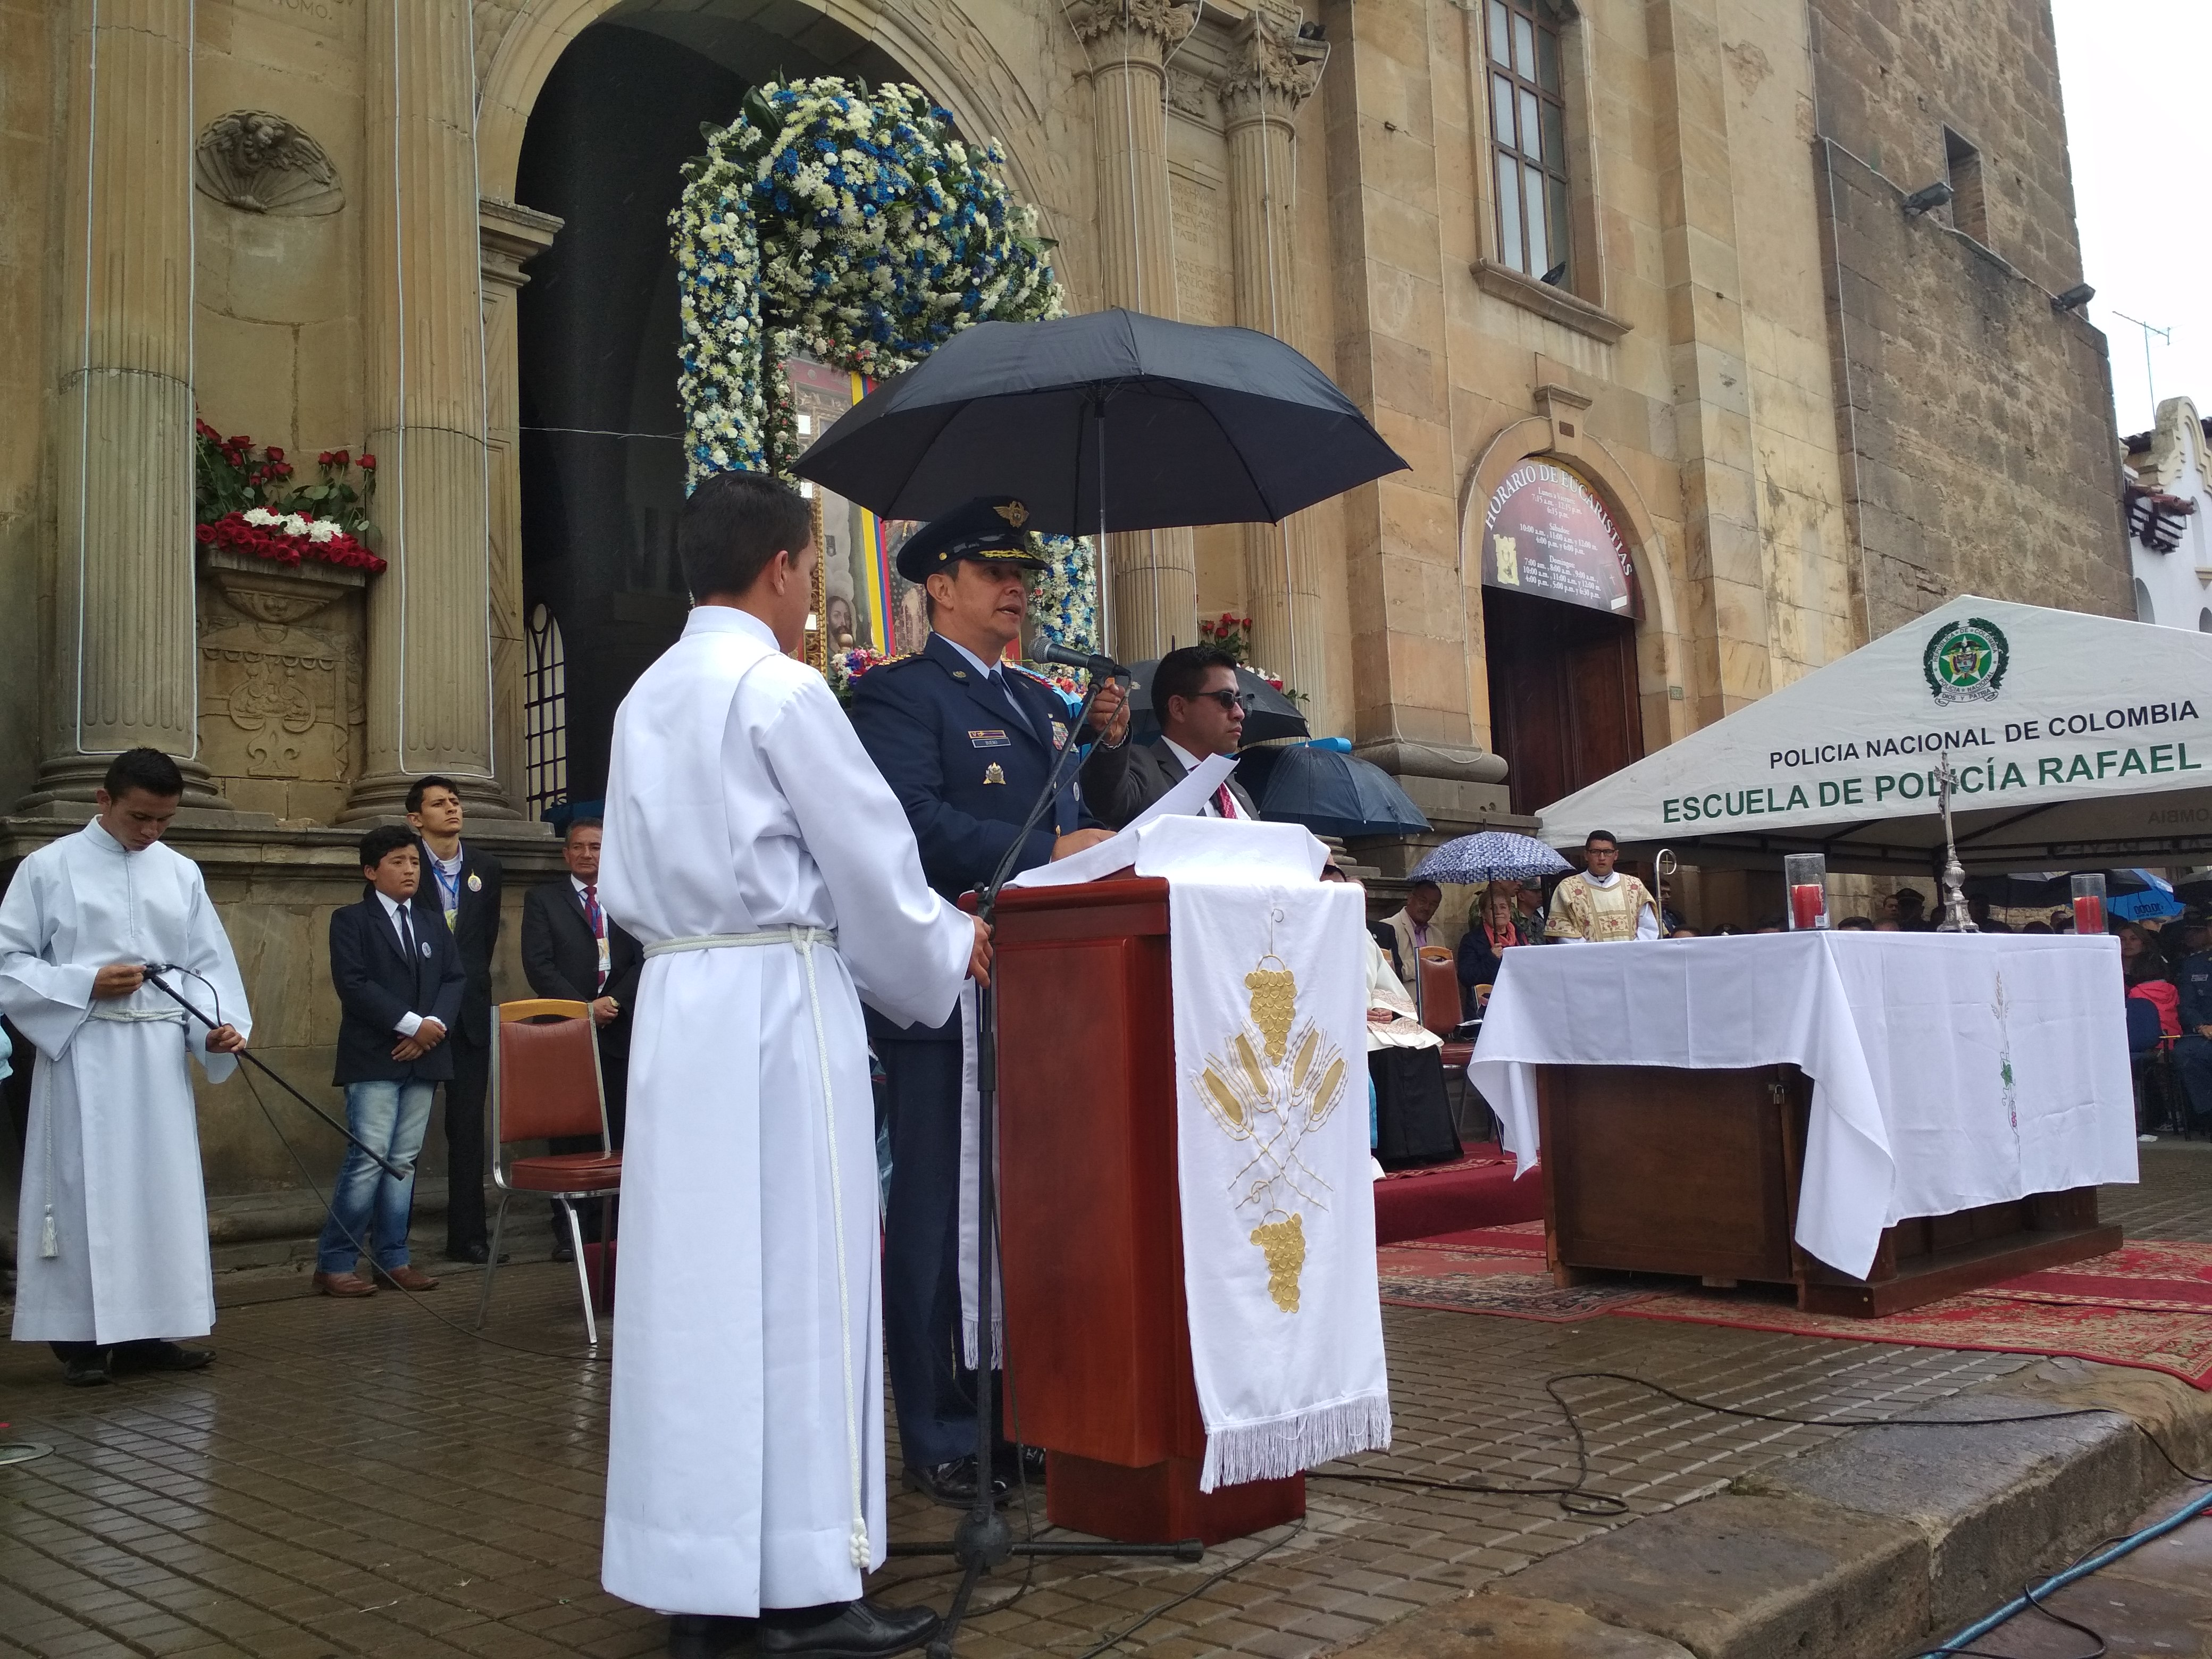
<point>1186,800</point>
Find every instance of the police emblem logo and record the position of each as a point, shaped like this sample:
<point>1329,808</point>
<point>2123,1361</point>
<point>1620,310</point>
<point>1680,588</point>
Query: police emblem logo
<point>994,773</point>
<point>1965,661</point>
<point>1014,514</point>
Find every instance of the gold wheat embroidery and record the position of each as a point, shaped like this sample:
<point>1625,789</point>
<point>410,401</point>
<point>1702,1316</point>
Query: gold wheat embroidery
<point>1276,1082</point>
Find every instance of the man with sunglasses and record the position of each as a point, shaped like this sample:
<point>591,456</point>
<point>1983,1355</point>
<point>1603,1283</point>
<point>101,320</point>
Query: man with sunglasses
<point>1194,699</point>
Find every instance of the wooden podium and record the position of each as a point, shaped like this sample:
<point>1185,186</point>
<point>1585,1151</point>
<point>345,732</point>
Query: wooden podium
<point>1097,1337</point>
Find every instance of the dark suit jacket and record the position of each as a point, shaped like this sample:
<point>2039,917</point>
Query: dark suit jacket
<point>377,984</point>
<point>1120,783</point>
<point>476,932</point>
<point>966,764</point>
<point>561,958</point>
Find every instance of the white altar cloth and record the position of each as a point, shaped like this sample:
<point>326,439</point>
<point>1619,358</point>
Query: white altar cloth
<point>1949,1070</point>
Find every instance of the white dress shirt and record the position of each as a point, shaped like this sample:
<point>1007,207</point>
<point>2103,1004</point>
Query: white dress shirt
<point>1189,764</point>
<point>410,1023</point>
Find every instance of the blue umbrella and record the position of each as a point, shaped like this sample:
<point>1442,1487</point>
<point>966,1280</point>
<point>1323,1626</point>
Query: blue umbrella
<point>2156,900</point>
<point>1338,794</point>
<point>1491,855</point>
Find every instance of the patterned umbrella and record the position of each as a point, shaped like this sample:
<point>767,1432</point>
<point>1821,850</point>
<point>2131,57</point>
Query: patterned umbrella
<point>1493,855</point>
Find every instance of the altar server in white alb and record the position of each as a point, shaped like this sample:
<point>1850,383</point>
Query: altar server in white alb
<point>112,1257</point>
<point>1600,905</point>
<point>771,876</point>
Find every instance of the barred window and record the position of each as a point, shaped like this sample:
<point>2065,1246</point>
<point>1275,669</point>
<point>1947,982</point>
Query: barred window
<point>1528,130</point>
<point>545,713</point>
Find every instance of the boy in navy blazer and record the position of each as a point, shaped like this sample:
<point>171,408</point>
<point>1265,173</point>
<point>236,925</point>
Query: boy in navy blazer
<point>399,985</point>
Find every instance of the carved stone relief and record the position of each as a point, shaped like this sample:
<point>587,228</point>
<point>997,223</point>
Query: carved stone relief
<point>262,163</point>
<point>281,686</point>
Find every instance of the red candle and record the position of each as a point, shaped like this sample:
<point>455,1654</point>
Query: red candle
<point>2089,914</point>
<point>1807,900</point>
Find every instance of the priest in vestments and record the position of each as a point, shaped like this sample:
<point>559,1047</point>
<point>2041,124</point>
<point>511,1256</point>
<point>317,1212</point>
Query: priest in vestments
<point>770,872</point>
<point>112,1240</point>
<point>1600,905</point>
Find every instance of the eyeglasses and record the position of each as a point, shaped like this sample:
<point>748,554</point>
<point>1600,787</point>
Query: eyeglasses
<point>1227,697</point>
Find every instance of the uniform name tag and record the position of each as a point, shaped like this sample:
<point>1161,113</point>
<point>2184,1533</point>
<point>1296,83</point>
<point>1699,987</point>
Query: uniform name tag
<point>990,740</point>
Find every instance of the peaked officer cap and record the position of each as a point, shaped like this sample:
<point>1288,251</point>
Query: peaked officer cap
<point>987,527</point>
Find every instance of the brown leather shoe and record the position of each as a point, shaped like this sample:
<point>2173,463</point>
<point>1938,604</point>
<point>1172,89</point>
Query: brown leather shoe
<point>343,1284</point>
<point>404,1277</point>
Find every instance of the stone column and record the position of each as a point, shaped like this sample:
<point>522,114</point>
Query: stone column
<point>125,654</point>
<point>511,236</point>
<point>1152,574</point>
<point>1270,74</point>
<point>429,699</point>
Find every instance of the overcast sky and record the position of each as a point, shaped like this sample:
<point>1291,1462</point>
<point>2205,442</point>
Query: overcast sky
<point>2137,81</point>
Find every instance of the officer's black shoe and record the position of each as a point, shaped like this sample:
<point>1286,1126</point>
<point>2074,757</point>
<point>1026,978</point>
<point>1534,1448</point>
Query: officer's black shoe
<point>705,1635</point>
<point>90,1371</point>
<point>1019,1465</point>
<point>155,1355</point>
<point>563,1249</point>
<point>952,1484</point>
<point>850,1630</point>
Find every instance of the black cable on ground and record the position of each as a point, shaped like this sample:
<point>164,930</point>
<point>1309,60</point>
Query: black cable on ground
<point>1575,1500</point>
<point>414,1299</point>
<point>1173,1602</point>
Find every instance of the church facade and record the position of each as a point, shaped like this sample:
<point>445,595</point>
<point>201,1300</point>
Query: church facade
<point>1699,385</point>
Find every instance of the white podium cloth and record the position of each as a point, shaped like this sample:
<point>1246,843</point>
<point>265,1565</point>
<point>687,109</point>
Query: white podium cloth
<point>1949,1070</point>
<point>1278,1207</point>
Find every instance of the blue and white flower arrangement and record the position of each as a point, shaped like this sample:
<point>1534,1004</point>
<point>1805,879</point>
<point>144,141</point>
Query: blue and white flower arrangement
<point>852,224</point>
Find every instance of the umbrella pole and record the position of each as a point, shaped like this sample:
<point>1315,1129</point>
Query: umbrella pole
<point>1110,644</point>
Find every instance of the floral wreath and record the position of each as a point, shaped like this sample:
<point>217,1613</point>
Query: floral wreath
<point>856,226</point>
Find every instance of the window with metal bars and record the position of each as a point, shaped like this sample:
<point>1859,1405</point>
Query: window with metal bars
<point>1527,131</point>
<point>545,713</point>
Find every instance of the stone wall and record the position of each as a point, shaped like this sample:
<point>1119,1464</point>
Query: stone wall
<point>30,83</point>
<point>1978,423</point>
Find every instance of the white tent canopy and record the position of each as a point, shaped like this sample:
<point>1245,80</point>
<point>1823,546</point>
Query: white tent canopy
<point>2077,741</point>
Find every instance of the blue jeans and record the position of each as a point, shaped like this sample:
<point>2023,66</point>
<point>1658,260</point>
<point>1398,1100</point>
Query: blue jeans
<point>390,1117</point>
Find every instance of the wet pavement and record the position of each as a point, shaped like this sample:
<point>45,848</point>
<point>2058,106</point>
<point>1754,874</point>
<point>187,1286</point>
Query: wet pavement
<point>372,1477</point>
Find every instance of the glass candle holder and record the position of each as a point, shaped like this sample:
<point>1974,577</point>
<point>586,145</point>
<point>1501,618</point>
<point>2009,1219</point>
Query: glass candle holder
<point>1805,876</point>
<point>2089,902</point>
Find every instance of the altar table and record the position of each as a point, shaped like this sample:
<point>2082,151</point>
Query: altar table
<point>1859,1104</point>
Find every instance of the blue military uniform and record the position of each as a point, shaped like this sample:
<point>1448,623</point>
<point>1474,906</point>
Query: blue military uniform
<point>967,752</point>
<point>2192,1055</point>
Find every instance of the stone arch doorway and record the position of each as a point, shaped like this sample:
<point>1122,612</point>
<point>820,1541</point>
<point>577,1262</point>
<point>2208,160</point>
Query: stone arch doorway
<point>1578,660</point>
<point>601,461</point>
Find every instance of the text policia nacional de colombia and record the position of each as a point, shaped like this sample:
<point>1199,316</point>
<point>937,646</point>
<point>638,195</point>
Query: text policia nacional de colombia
<point>1976,775</point>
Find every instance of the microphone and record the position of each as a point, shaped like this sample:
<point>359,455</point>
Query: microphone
<point>1096,662</point>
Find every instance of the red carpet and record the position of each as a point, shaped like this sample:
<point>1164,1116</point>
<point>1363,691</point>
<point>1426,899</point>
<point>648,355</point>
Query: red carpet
<point>1477,1191</point>
<point>2148,1304</point>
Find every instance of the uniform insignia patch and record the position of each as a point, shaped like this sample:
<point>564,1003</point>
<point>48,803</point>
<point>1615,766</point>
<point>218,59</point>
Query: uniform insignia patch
<point>1014,514</point>
<point>994,773</point>
<point>475,883</point>
<point>990,740</point>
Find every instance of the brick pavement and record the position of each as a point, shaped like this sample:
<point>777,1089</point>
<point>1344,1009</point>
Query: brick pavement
<point>358,1479</point>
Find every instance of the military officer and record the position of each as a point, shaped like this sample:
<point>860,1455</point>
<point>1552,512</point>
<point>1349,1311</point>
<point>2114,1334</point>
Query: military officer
<point>967,743</point>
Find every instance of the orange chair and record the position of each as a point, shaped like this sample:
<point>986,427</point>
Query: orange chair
<point>1439,990</point>
<point>545,1083</point>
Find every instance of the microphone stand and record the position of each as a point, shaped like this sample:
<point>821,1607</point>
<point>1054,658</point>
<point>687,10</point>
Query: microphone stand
<point>983,1540</point>
<point>153,972</point>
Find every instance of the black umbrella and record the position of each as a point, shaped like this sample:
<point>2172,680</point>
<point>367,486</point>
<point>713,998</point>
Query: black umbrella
<point>1267,712</point>
<point>1187,425</point>
<point>1334,793</point>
